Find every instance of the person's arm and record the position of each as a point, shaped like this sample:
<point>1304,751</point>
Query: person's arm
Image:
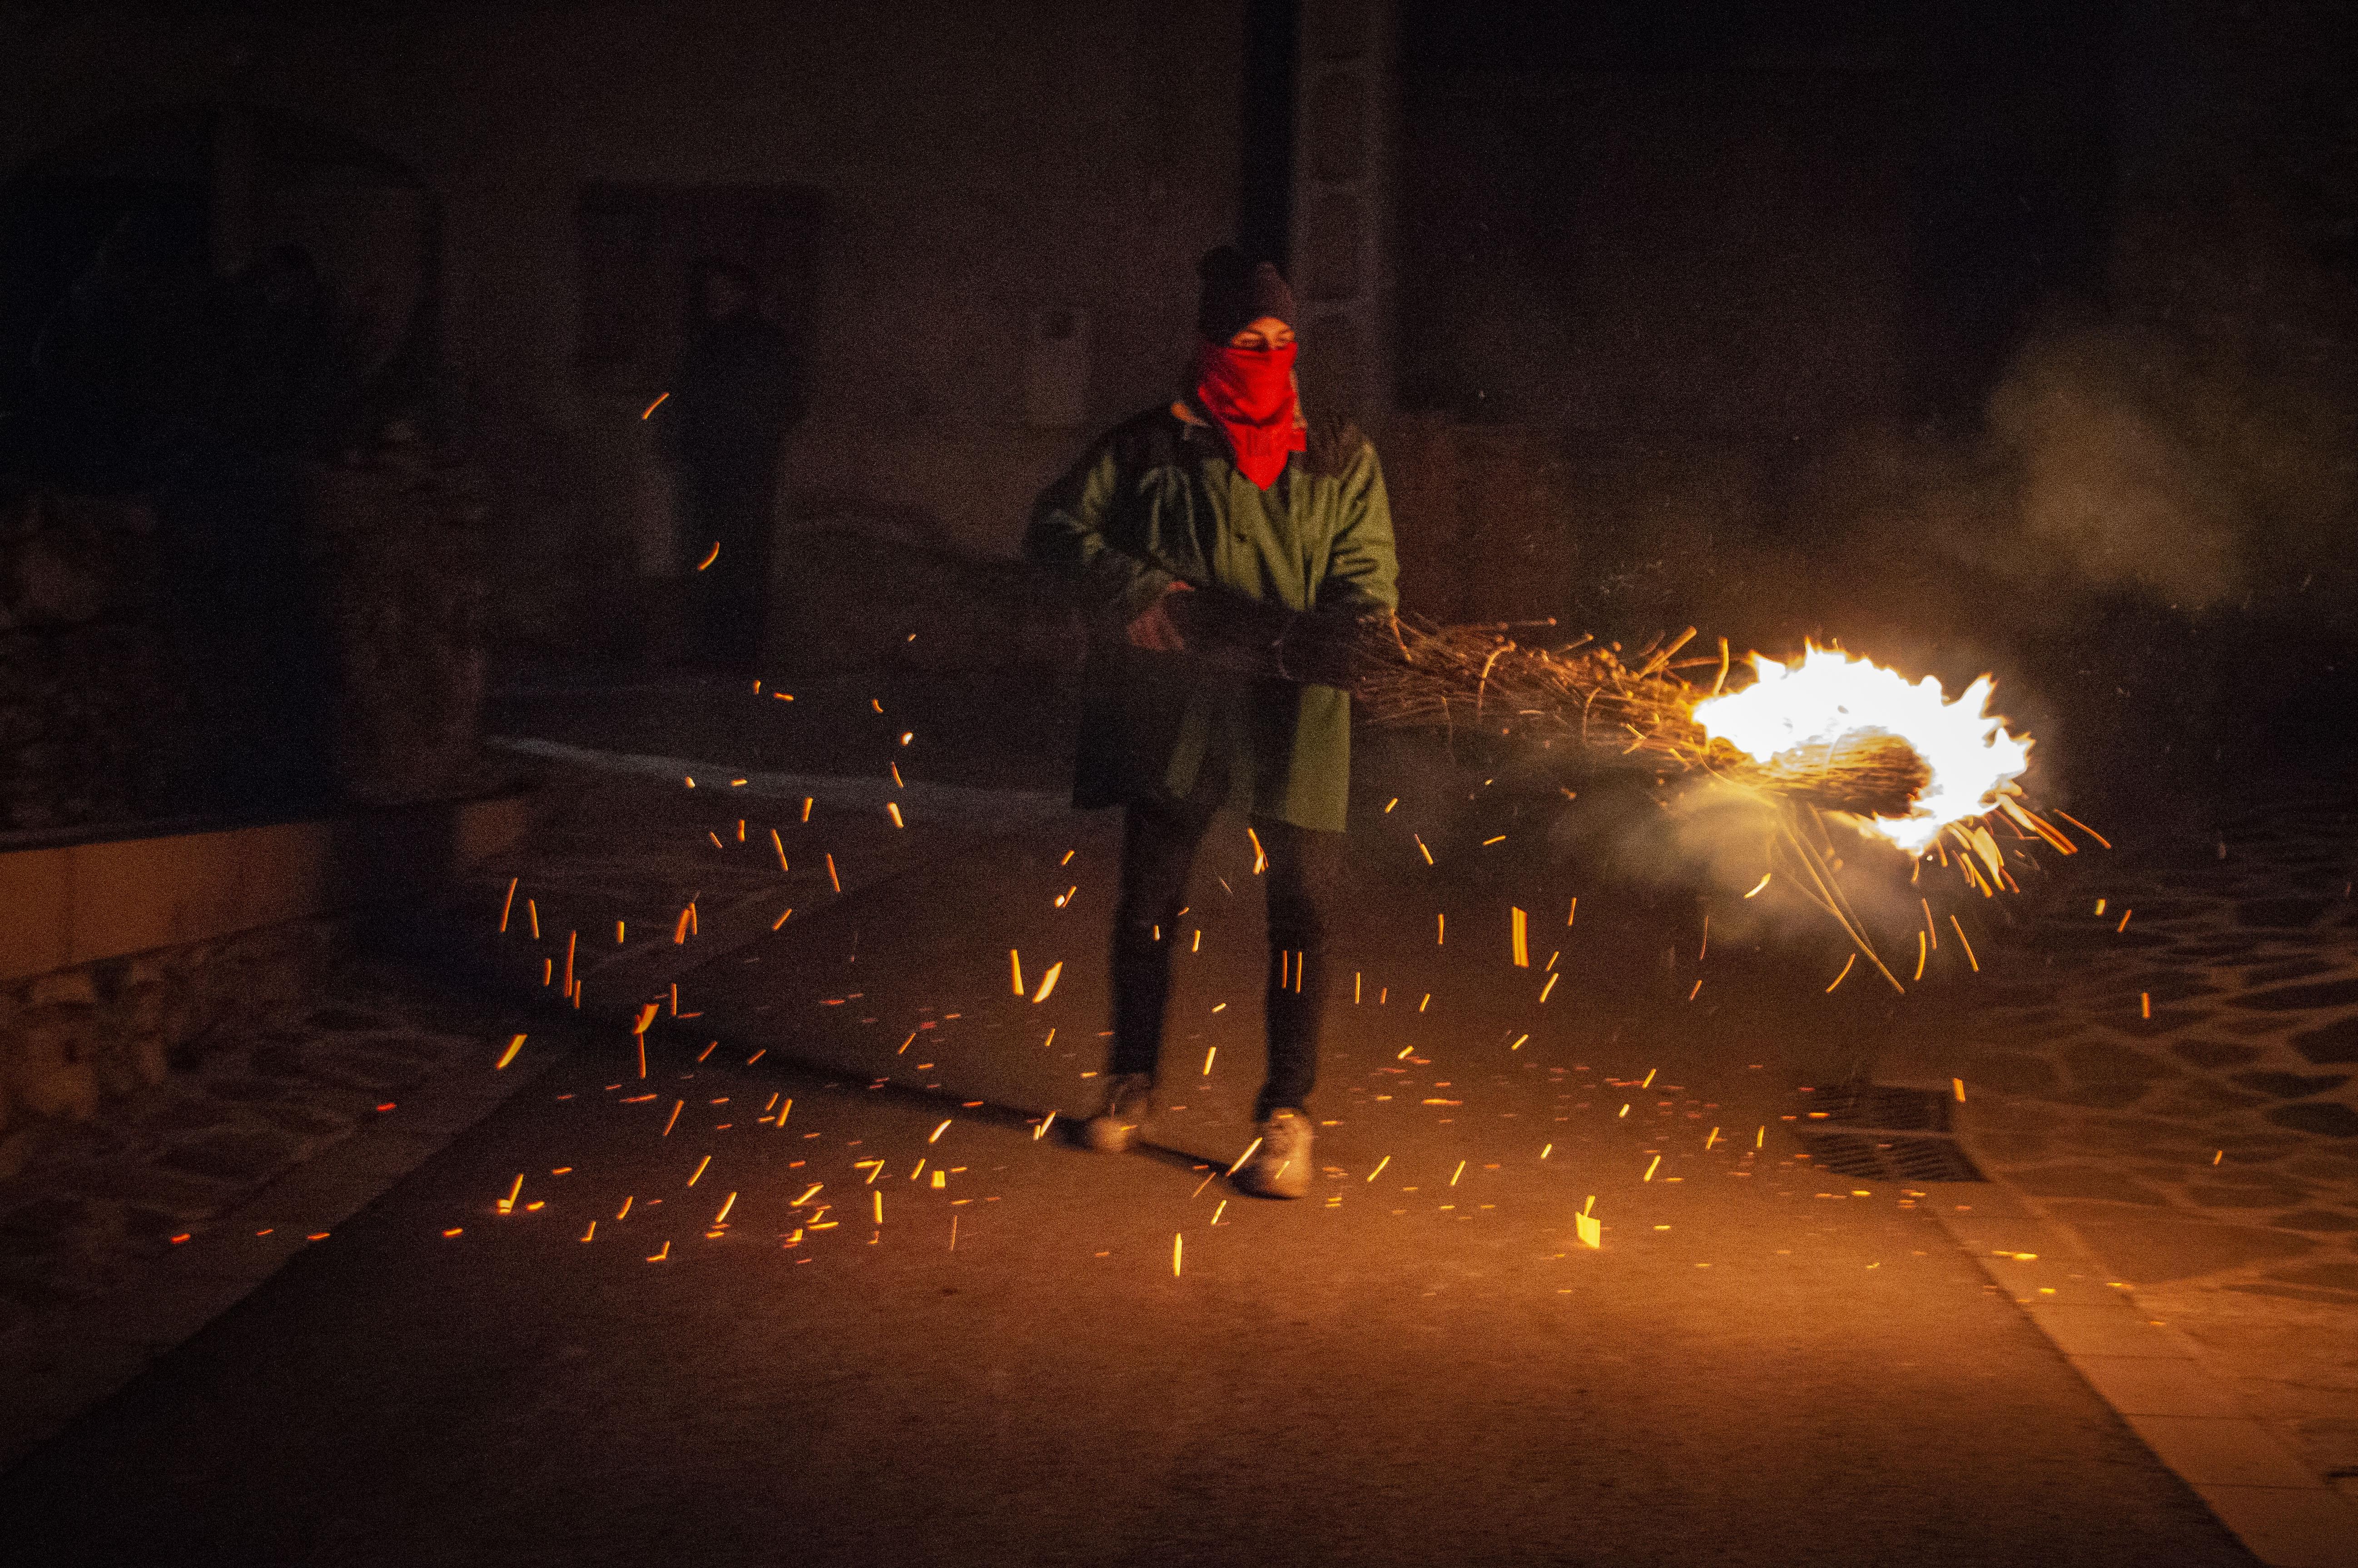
<point>1362,571</point>
<point>1068,534</point>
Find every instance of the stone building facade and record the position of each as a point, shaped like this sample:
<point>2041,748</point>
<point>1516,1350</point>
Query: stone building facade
<point>982,224</point>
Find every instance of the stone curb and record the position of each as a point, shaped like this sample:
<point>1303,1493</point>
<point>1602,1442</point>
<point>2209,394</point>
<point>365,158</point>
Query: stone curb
<point>50,1384</point>
<point>2153,1376</point>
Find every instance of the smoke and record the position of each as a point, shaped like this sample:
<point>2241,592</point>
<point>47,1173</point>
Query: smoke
<point>2124,461</point>
<point>2101,437</point>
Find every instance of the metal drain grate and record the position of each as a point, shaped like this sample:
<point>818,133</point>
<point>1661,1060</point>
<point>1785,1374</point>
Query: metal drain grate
<point>1890,1157</point>
<point>1881,1105</point>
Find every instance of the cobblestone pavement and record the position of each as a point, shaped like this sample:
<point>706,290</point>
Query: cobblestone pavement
<point>97,1202</point>
<point>2166,1061</point>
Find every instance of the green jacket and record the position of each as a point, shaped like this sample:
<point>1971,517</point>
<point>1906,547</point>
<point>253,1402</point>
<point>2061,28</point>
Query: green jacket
<point>1158,498</point>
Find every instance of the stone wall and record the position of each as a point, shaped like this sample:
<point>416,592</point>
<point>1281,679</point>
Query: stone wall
<point>397,545</point>
<point>89,712</point>
<point>851,597</point>
<point>72,1040</point>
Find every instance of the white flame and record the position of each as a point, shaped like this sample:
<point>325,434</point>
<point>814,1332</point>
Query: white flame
<point>1829,694</point>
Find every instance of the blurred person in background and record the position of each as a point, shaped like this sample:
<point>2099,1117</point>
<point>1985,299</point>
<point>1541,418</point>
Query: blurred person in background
<point>737,396</point>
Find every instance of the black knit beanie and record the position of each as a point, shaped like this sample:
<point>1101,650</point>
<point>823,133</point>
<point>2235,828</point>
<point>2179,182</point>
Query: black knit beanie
<point>1238,292</point>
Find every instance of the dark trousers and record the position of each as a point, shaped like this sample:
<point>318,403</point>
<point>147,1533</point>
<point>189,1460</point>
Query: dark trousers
<point>730,502</point>
<point>1158,847</point>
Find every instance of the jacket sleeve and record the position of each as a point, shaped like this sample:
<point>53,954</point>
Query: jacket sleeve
<point>1362,572</point>
<point>1068,534</point>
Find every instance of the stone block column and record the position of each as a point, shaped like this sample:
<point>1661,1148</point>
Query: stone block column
<point>1343,116</point>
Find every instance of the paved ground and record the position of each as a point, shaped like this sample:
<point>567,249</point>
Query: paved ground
<point>1050,1356</point>
<point>98,1203</point>
<point>2207,1153</point>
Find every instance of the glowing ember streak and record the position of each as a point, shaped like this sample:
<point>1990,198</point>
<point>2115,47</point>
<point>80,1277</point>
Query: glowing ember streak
<point>1830,696</point>
<point>1521,939</point>
<point>1048,981</point>
<point>509,1055</point>
<point>710,557</point>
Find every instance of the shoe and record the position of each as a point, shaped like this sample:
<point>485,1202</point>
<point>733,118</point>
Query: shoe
<point>1130,1105</point>
<point>1279,1167</point>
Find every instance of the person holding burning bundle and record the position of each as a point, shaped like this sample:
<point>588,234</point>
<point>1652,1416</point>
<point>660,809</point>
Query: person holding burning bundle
<point>1231,490</point>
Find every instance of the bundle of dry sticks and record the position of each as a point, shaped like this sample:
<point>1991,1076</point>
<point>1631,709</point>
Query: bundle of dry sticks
<point>1640,706</point>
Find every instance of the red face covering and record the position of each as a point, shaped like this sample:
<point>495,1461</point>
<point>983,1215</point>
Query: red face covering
<point>1250,393</point>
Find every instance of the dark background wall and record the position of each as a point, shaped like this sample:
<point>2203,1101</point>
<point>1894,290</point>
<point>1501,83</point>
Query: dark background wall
<point>1984,334</point>
<point>1979,336</point>
<point>963,184</point>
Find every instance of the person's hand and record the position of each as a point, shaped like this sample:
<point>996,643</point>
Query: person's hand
<point>1154,629</point>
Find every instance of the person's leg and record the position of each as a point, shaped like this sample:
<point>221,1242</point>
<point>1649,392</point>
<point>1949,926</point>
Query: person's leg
<point>1158,846</point>
<point>745,515</point>
<point>1303,865</point>
<point>728,501</point>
